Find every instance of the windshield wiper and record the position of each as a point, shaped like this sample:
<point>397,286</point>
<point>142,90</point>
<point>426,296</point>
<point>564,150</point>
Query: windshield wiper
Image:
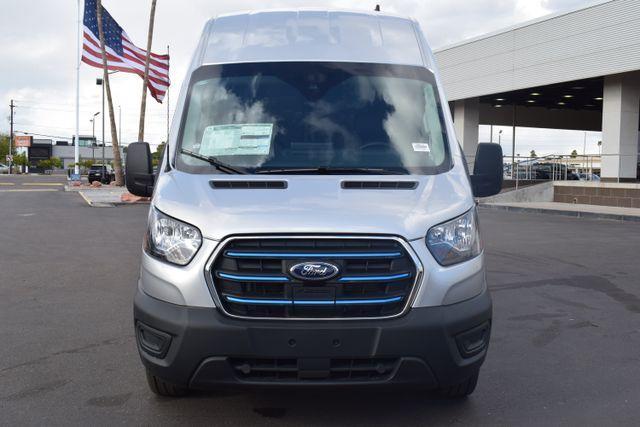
<point>222,167</point>
<point>332,171</point>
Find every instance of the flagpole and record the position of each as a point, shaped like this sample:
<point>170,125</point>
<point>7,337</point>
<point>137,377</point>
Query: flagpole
<point>168,88</point>
<point>77,142</point>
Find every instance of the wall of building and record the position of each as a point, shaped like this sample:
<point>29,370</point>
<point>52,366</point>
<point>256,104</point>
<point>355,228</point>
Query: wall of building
<point>604,194</point>
<point>595,41</point>
<point>67,154</point>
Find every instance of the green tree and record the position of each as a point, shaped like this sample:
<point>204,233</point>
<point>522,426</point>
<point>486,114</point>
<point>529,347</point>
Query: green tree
<point>574,154</point>
<point>56,162</point>
<point>44,164</point>
<point>155,157</point>
<point>20,160</point>
<point>4,146</point>
<point>533,154</point>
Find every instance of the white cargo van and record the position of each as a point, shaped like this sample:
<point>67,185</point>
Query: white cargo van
<point>313,222</point>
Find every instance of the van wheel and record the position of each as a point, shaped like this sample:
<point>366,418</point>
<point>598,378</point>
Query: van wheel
<point>165,388</point>
<point>460,390</point>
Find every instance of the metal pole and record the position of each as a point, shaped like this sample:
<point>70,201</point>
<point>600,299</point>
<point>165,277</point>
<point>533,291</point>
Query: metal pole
<point>103,143</point>
<point>76,150</point>
<point>93,143</point>
<point>169,87</point>
<point>11,107</point>
<point>119,123</point>
<point>491,133</point>
<point>513,142</point>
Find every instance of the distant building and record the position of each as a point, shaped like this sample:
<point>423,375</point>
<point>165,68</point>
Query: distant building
<point>577,70</point>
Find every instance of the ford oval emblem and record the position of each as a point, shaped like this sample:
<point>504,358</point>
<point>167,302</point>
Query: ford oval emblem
<point>314,271</point>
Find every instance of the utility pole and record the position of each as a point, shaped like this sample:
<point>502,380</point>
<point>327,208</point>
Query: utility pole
<point>11,107</point>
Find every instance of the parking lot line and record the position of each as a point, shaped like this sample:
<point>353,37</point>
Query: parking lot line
<point>7,183</point>
<point>28,190</point>
<point>57,184</point>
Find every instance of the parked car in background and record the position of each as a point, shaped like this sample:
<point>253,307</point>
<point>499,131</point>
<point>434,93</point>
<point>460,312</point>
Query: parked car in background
<point>4,168</point>
<point>96,174</point>
<point>588,177</point>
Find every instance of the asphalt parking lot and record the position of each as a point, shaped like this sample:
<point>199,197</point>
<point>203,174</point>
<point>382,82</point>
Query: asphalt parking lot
<point>565,347</point>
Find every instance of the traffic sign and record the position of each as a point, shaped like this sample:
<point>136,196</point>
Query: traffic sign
<point>9,158</point>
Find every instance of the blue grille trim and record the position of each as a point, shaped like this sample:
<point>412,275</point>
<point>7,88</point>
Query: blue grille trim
<point>313,302</point>
<point>258,301</point>
<point>368,301</point>
<point>374,278</point>
<point>252,278</point>
<point>289,255</point>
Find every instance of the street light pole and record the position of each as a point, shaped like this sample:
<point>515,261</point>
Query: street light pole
<point>93,143</point>
<point>119,123</point>
<point>11,106</point>
<point>100,82</point>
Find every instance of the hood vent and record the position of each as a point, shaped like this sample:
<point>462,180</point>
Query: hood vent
<point>379,185</point>
<point>248,185</point>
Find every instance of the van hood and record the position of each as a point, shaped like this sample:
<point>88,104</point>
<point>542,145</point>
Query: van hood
<point>313,204</point>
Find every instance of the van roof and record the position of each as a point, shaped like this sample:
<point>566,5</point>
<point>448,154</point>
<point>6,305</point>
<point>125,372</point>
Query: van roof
<point>312,35</point>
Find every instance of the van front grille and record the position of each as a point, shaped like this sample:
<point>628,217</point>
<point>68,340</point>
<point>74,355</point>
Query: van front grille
<point>252,277</point>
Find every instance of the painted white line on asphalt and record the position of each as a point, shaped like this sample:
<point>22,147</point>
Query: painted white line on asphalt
<point>7,183</point>
<point>85,198</point>
<point>27,214</point>
<point>43,183</point>
<point>28,190</point>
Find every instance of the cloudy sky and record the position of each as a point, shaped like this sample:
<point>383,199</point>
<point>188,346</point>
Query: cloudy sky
<point>38,48</point>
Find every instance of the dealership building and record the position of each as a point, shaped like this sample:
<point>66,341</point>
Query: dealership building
<point>577,70</point>
<point>44,149</point>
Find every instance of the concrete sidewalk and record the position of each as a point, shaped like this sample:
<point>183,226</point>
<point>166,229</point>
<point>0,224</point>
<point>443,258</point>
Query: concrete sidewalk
<point>570,209</point>
<point>107,197</point>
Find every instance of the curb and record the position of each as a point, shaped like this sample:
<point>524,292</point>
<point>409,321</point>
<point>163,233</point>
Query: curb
<point>574,214</point>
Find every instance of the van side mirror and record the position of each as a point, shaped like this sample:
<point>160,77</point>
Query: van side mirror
<point>139,172</point>
<point>487,170</point>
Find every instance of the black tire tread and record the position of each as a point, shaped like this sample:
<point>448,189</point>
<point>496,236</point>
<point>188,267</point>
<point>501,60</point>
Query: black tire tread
<point>164,388</point>
<point>460,390</point>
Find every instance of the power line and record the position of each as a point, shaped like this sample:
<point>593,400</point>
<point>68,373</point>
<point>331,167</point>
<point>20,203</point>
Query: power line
<point>44,126</point>
<point>41,134</point>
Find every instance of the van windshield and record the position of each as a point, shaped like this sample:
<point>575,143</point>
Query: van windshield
<point>309,117</point>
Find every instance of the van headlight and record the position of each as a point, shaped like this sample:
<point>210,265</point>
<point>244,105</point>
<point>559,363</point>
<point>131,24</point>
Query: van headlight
<point>456,240</point>
<point>171,240</point>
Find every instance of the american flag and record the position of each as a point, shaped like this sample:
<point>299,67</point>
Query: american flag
<point>122,54</point>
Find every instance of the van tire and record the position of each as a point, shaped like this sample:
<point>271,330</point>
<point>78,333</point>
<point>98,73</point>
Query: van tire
<point>165,388</point>
<point>460,390</point>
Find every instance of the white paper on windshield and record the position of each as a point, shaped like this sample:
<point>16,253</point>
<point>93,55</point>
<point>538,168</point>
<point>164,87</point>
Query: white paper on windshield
<point>421,146</point>
<point>249,139</point>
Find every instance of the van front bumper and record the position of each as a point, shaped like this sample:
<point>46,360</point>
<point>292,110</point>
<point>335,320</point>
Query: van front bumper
<point>203,349</point>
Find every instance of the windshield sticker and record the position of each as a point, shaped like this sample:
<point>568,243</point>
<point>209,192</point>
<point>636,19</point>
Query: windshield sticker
<point>250,139</point>
<point>421,146</point>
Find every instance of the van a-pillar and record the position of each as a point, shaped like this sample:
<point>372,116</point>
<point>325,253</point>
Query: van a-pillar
<point>620,123</point>
<point>466,119</point>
